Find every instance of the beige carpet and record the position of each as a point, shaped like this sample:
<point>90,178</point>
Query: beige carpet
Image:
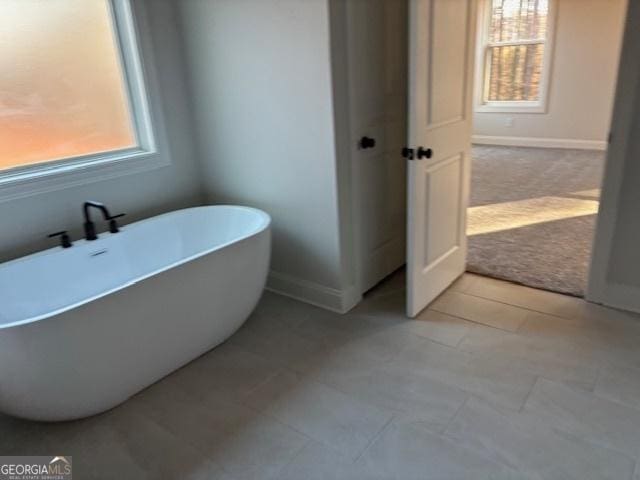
<point>532,215</point>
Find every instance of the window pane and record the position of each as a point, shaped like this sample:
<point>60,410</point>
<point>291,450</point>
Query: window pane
<point>62,90</point>
<point>515,72</point>
<point>513,20</point>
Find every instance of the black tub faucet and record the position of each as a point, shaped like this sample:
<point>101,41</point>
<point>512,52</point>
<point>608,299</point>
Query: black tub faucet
<point>65,239</point>
<point>90,227</point>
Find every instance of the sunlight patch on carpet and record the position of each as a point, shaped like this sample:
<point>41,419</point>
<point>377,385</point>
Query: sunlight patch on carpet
<point>510,215</point>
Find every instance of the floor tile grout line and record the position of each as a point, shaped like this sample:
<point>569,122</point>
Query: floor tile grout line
<point>353,397</point>
<point>526,398</point>
<point>475,322</point>
<point>462,339</point>
<point>275,419</point>
<point>463,290</point>
<point>426,339</point>
<point>264,381</point>
<point>189,444</point>
<point>605,398</point>
<point>448,347</point>
<point>332,387</point>
<point>479,278</point>
<point>520,330</point>
<point>458,410</point>
<point>394,356</point>
<point>432,340</point>
<point>529,309</point>
<point>558,429</point>
<point>295,457</point>
<point>557,315</point>
<point>374,438</point>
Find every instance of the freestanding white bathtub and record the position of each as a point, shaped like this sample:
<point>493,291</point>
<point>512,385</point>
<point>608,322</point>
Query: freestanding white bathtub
<point>82,329</point>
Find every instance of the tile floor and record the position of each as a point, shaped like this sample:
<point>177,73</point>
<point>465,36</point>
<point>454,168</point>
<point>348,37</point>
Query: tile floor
<point>494,381</point>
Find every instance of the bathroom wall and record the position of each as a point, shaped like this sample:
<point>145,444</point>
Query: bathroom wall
<point>25,222</point>
<point>261,79</point>
<point>582,83</point>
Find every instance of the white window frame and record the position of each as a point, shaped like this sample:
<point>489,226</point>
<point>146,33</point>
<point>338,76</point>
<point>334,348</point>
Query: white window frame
<point>482,70</point>
<point>139,78</point>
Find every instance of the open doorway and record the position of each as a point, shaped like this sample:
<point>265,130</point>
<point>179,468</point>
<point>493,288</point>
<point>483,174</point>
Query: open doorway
<point>543,96</point>
<point>537,158</point>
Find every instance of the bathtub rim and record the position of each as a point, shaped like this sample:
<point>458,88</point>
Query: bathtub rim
<point>263,226</point>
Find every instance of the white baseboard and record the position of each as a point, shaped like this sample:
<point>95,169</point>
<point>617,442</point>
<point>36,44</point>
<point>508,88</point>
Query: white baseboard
<point>539,142</point>
<point>622,297</point>
<point>340,301</point>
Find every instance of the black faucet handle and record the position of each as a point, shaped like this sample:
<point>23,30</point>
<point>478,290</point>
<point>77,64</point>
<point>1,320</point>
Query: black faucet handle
<point>65,240</point>
<point>113,225</point>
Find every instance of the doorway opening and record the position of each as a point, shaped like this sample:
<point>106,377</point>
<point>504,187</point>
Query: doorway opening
<point>543,97</point>
<point>539,87</point>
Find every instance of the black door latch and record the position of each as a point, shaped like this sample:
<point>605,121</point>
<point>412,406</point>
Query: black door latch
<point>408,153</point>
<point>367,142</point>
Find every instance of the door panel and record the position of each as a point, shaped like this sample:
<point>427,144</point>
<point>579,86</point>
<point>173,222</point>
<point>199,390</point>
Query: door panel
<point>442,37</point>
<point>443,186</point>
<point>447,61</point>
<point>377,51</point>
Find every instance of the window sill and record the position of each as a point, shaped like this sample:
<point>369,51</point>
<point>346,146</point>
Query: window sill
<point>32,181</point>
<point>511,107</point>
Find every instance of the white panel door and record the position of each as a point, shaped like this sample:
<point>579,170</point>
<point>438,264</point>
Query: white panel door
<point>441,46</point>
<point>377,40</point>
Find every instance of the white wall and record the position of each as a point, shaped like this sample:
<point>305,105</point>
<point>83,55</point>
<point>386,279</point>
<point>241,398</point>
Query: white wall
<point>25,222</point>
<point>615,267</point>
<point>625,260</point>
<point>583,76</point>
<point>344,137</point>
<point>261,80</point>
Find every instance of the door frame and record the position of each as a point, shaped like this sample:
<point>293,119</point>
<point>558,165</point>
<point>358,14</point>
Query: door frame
<point>600,288</point>
<point>356,226</point>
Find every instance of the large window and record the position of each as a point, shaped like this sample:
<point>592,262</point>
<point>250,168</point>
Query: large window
<point>515,49</point>
<point>71,87</point>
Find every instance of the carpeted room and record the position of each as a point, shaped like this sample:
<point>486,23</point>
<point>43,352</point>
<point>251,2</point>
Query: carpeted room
<point>542,108</point>
<point>532,215</point>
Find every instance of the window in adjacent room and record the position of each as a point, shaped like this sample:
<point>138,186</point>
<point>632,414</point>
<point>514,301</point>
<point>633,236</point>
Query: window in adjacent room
<point>515,50</point>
